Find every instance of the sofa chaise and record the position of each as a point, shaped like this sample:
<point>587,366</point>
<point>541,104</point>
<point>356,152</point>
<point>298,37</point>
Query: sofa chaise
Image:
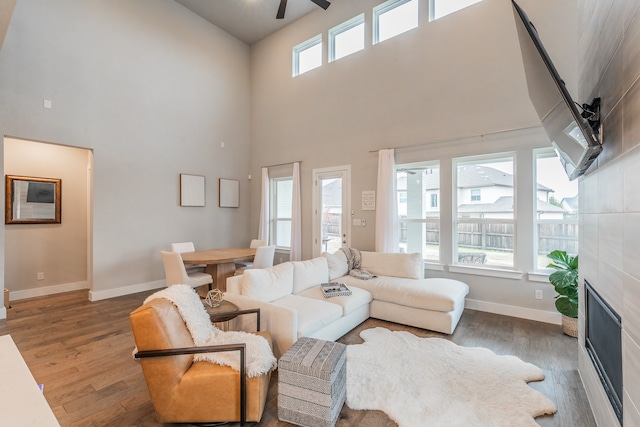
<point>292,304</point>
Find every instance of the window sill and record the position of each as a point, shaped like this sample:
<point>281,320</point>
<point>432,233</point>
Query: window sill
<point>538,277</point>
<point>484,271</point>
<point>433,266</point>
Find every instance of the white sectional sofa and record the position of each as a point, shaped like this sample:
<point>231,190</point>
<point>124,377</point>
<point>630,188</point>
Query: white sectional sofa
<point>292,304</point>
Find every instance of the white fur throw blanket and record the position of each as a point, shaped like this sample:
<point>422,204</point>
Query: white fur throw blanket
<point>259,357</point>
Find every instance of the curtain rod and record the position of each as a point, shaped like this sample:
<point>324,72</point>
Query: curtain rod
<point>457,138</point>
<point>282,164</point>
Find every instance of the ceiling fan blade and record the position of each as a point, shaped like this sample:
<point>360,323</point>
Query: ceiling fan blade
<point>322,3</point>
<point>281,8</point>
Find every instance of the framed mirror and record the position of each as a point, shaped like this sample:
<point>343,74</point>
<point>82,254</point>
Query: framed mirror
<point>30,200</point>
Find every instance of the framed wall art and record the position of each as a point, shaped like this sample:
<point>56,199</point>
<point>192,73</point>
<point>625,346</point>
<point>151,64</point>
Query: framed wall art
<point>191,190</point>
<point>229,193</point>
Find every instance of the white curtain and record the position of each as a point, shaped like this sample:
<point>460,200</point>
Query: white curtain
<point>263,226</point>
<point>295,253</point>
<point>387,239</point>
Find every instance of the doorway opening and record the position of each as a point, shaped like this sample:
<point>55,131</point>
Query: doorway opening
<point>45,259</point>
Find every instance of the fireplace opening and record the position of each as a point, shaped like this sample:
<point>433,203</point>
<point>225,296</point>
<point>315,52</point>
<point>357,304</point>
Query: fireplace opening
<point>603,342</point>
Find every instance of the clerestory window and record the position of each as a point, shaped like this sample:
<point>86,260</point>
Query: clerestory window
<point>394,17</point>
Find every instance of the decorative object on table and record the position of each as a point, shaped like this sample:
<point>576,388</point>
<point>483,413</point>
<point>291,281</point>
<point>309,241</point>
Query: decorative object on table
<point>229,195</point>
<point>565,282</point>
<point>312,382</point>
<point>334,289</point>
<point>191,190</point>
<point>214,298</point>
<point>465,386</point>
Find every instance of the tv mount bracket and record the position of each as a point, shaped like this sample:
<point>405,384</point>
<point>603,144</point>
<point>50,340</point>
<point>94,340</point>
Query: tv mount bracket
<point>591,112</point>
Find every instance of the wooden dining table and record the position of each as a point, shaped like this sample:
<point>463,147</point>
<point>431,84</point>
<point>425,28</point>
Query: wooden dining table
<point>220,263</point>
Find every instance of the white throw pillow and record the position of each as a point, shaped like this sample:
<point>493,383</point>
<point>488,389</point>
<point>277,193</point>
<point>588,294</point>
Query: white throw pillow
<point>268,284</point>
<point>309,273</point>
<point>395,265</point>
<point>338,264</point>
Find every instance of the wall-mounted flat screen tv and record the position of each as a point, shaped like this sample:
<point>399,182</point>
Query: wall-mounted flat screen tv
<point>574,135</point>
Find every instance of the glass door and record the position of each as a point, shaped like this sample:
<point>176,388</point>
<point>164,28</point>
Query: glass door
<point>331,209</point>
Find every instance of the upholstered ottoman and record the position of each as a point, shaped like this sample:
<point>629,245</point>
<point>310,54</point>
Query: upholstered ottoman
<point>312,382</point>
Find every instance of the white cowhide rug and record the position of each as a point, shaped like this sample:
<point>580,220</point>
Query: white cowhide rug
<point>434,382</point>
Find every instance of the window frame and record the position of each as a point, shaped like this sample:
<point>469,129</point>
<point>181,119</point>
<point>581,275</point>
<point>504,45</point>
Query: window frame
<point>342,28</point>
<point>432,10</point>
<point>403,223</point>
<point>385,7</point>
<point>274,219</point>
<point>302,47</point>
<point>537,154</point>
<point>458,219</point>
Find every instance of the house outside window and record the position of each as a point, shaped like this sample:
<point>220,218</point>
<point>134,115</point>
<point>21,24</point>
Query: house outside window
<point>307,55</point>
<point>281,212</point>
<point>556,216</point>
<point>440,8</point>
<point>394,17</point>
<point>346,38</point>
<point>418,186</point>
<point>485,230</point>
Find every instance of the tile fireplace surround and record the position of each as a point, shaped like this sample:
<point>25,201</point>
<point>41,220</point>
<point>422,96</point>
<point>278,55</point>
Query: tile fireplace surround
<point>609,67</point>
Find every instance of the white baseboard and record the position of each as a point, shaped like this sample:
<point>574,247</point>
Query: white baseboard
<point>3,313</point>
<point>515,311</point>
<point>125,290</point>
<point>47,290</point>
<point>93,295</point>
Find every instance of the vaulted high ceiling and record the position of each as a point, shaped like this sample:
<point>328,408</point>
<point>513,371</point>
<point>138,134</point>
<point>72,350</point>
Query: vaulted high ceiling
<point>249,20</point>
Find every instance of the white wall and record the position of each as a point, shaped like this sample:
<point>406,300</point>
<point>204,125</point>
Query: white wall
<point>610,193</point>
<point>459,76</point>
<point>153,90</point>
<point>57,250</point>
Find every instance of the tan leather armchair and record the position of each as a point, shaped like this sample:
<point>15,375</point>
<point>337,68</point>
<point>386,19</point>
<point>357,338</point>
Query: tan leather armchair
<point>184,391</point>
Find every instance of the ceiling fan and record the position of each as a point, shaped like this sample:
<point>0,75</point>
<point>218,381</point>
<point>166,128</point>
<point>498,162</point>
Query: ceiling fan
<point>283,5</point>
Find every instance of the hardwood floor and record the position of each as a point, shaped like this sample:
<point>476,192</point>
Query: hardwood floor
<point>81,352</point>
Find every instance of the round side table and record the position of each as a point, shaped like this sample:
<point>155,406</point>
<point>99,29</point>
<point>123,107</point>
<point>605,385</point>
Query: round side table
<point>222,313</point>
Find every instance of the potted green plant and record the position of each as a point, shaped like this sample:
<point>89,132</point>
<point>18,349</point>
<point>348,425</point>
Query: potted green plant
<point>565,282</point>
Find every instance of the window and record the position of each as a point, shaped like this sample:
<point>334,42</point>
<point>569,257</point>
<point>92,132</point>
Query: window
<point>418,187</point>
<point>281,211</point>
<point>440,8</point>
<point>556,216</point>
<point>394,17</point>
<point>307,55</point>
<point>485,230</point>
<point>346,38</point>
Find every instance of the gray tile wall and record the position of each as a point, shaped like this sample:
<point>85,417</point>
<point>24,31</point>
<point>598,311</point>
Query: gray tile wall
<point>610,191</point>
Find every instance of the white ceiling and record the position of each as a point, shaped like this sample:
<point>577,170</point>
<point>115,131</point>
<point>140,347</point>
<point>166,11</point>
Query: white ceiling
<point>249,20</point>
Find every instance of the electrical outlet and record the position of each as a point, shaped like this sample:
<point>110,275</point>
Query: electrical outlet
<point>538,293</point>
<point>40,276</point>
